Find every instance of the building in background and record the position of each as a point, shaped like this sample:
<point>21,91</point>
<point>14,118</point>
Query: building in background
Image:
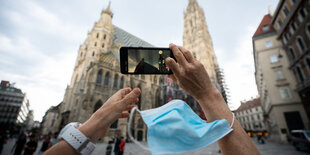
<point>275,84</point>
<point>49,120</point>
<point>29,120</point>
<point>14,108</point>
<point>292,23</point>
<point>250,115</point>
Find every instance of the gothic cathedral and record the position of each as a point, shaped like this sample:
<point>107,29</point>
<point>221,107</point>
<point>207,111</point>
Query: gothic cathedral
<point>97,76</point>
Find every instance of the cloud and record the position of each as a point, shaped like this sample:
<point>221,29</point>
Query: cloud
<point>39,64</point>
<point>238,65</point>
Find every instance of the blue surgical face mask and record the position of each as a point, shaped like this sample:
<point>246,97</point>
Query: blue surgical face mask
<point>175,128</point>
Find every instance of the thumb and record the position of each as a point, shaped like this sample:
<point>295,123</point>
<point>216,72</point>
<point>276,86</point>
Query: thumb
<point>132,97</point>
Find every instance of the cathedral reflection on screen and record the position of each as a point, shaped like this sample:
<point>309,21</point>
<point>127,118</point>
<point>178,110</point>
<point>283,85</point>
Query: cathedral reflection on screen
<point>147,61</point>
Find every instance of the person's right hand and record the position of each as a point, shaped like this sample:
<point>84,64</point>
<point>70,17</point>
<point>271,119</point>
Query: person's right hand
<point>189,73</point>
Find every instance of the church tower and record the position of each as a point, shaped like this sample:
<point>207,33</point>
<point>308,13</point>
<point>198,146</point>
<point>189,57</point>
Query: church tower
<point>96,77</point>
<point>197,39</point>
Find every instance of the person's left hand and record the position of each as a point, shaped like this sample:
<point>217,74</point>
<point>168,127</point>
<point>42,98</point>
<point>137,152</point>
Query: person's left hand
<point>115,107</point>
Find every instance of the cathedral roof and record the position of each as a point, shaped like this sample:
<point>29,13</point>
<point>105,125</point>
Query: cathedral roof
<point>123,38</point>
<point>127,39</point>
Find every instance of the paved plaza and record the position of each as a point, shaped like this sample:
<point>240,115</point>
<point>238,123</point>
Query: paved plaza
<point>269,148</point>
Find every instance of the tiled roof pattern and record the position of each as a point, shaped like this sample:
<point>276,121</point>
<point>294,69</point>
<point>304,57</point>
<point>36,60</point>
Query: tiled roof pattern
<point>249,104</point>
<point>265,21</point>
<point>123,38</point>
<point>127,39</point>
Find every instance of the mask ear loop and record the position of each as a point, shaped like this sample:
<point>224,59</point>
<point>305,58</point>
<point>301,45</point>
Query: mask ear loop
<point>233,120</point>
<point>129,131</point>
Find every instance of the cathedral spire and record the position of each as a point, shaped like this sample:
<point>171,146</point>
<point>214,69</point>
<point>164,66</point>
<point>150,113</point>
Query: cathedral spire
<point>108,10</point>
<point>192,5</point>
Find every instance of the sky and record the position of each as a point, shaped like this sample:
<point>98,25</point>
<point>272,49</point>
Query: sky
<point>39,40</point>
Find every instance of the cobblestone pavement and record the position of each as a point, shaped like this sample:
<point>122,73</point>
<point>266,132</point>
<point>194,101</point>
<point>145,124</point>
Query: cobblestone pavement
<point>269,148</point>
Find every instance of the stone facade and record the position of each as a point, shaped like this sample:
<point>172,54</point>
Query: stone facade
<point>197,39</point>
<point>275,84</point>
<point>97,76</point>
<point>292,23</point>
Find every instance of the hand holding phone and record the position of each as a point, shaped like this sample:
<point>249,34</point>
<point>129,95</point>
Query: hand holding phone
<point>145,60</point>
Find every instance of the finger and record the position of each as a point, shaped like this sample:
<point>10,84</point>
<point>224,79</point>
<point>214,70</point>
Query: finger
<point>120,94</point>
<point>173,66</point>
<point>187,54</point>
<point>129,107</point>
<point>124,115</point>
<point>131,97</point>
<point>178,54</point>
<point>125,91</point>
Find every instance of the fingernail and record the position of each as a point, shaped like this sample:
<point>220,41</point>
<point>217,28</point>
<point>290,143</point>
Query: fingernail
<point>171,44</point>
<point>136,91</point>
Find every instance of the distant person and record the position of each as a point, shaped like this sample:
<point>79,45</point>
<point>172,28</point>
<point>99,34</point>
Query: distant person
<point>117,144</point>
<point>31,146</point>
<point>108,150</point>
<point>46,144</point>
<point>19,145</point>
<point>192,77</point>
<point>54,139</point>
<point>3,140</point>
<point>122,146</point>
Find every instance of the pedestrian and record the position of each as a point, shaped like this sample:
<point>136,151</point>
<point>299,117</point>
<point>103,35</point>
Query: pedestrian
<point>19,145</point>
<point>117,143</point>
<point>258,138</point>
<point>3,140</point>
<point>46,144</point>
<point>193,78</point>
<point>54,139</point>
<point>122,146</point>
<point>108,150</point>
<point>31,145</point>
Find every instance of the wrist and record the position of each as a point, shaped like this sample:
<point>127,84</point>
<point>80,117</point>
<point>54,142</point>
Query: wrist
<point>89,130</point>
<point>209,96</point>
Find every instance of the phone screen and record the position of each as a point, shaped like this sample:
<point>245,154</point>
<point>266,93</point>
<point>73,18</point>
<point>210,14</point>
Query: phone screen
<point>148,61</point>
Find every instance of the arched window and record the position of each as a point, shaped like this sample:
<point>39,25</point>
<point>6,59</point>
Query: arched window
<point>301,44</point>
<point>97,106</point>
<point>106,79</point>
<point>292,53</point>
<point>95,44</point>
<point>299,73</point>
<point>114,125</point>
<point>308,63</point>
<point>93,53</point>
<point>102,45</point>
<point>121,84</point>
<point>81,54</point>
<point>104,36</point>
<point>97,35</point>
<point>308,31</point>
<point>115,81</point>
<point>99,76</point>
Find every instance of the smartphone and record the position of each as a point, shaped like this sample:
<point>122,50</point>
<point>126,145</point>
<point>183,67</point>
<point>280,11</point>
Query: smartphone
<point>145,60</point>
